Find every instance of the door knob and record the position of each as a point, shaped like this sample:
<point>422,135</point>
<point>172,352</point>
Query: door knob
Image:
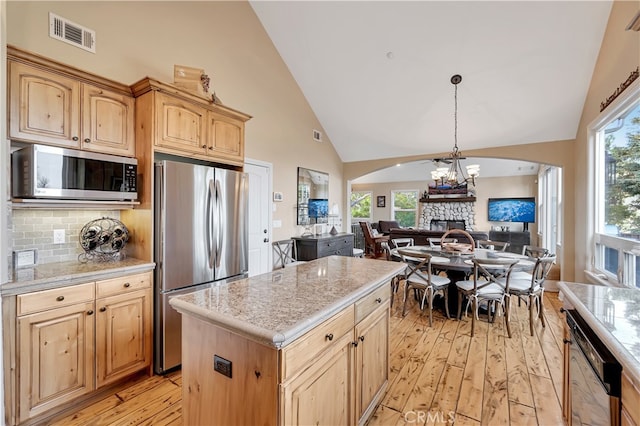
<point>266,240</point>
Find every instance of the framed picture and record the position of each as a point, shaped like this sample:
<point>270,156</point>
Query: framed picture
<point>381,200</point>
<point>277,196</point>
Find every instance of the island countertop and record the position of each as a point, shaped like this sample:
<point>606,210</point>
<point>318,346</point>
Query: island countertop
<point>277,307</point>
<point>614,315</point>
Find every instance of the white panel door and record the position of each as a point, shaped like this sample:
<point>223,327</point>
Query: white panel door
<point>259,216</point>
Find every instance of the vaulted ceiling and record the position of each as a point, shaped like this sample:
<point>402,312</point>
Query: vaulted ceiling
<point>377,73</point>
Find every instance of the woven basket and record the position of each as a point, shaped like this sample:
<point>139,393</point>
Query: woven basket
<point>457,247</point>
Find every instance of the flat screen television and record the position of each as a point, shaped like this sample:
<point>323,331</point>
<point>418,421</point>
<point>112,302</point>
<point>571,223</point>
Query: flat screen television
<point>512,210</point>
<point>318,207</point>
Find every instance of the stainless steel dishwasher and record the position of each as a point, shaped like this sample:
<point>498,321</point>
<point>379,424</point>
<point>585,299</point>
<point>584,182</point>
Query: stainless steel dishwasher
<point>594,377</point>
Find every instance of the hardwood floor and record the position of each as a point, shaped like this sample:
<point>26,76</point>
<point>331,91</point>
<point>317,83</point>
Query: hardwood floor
<point>438,375</point>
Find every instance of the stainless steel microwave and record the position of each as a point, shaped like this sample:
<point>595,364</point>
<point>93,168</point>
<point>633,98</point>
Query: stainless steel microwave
<point>40,171</point>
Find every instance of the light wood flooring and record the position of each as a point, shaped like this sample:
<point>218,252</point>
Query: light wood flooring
<point>438,375</point>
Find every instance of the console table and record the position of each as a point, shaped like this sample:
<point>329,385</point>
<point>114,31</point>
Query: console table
<point>516,240</point>
<point>316,246</point>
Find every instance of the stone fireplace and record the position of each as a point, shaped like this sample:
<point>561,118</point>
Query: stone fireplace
<point>448,211</point>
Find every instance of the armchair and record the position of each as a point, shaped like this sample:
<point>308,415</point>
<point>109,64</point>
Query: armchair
<point>372,242</point>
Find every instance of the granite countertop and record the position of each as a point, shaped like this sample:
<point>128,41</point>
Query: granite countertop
<point>614,315</point>
<point>52,275</point>
<point>277,307</point>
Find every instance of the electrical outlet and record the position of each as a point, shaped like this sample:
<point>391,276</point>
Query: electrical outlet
<point>58,236</point>
<point>222,366</point>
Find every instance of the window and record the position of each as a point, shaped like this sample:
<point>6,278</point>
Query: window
<point>549,207</point>
<point>617,202</point>
<point>361,205</point>
<point>404,208</point>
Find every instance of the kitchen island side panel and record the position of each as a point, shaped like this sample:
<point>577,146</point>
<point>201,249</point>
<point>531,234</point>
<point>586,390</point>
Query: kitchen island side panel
<point>248,397</point>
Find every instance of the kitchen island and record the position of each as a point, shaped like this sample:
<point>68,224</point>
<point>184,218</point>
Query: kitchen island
<point>613,314</point>
<point>300,345</point>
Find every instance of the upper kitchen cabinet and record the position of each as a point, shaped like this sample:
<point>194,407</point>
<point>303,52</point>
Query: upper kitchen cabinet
<point>52,103</point>
<point>187,124</point>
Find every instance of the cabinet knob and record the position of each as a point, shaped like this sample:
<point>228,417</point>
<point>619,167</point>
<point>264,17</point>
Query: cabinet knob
<point>361,338</point>
<point>378,300</point>
<point>355,343</point>
<point>60,298</point>
<point>210,148</point>
<point>103,309</point>
<point>127,285</point>
<point>204,146</point>
<point>87,140</point>
<point>566,341</point>
<point>329,337</point>
<point>89,312</point>
<point>75,138</point>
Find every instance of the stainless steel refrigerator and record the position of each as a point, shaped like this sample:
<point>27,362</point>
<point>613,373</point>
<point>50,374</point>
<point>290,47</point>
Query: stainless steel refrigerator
<point>200,238</point>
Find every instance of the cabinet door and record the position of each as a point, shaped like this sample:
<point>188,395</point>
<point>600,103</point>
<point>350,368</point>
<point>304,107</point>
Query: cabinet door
<point>180,126</point>
<point>123,335</point>
<point>225,137</point>
<point>55,357</point>
<point>107,121</point>
<point>372,359</point>
<point>44,107</point>
<point>322,394</point>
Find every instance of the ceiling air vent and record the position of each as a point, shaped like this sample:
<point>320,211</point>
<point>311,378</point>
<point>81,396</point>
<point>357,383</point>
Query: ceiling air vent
<point>317,136</point>
<point>72,33</point>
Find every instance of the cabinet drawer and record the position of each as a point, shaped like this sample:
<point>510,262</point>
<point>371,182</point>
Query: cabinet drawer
<point>337,246</point>
<point>370,302</point>
<point>123,284</point>
<point>54,298</point>
<point>299,354</point>
<point>631,399</point>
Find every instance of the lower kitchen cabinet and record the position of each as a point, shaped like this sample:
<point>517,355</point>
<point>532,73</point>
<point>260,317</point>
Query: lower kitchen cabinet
<point>630,402</point>
<point>371,360</point>
<point>326,383</point>
<point>334,374</point>
<point>65,343</point>
<point>123,327</point>
<point>56,363</point>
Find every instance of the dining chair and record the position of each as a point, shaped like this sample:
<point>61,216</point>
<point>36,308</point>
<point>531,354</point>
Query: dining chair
<point>492,245</point>
<point>419,277</point>
<point>490,283</point>
<point>401,242</point>
<point>371,241</point>
<point>533,251</point>
<point>395,280</point>
<point>531,291</point>
<point>284,254</point>
<point>437,242</point>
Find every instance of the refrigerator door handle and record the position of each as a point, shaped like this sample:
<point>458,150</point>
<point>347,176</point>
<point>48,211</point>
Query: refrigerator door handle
<point>209,220</point>
<point>219,233</point>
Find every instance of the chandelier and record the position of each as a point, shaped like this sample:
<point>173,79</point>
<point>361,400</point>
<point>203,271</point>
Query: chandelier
<point>454,175</point>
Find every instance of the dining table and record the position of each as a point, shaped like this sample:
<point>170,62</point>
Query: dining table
<point>459,265</point>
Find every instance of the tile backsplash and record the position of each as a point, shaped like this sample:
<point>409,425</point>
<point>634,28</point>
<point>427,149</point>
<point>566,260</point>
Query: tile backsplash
<point>33,228</point>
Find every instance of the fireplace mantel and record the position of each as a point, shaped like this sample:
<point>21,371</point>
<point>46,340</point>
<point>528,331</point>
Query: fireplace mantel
<point>448,200</point>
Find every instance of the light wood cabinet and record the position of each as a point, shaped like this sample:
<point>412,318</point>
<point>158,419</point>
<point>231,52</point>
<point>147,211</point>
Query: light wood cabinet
<point>123,327</point>
<point>225,137</point>
<point>372,363</point>
<point>186,124</point>
<point>56,357</point>
<point>53,104</point>
<point>630,401</point>
<point>107,121</point>
<point>336,373</point>
<point>44,107</point>
<point>62,344</point>
<point>323,393</point>
<point>180,125</point>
